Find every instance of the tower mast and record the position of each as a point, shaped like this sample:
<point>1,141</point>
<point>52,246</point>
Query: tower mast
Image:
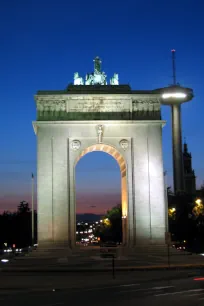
<point>173,52</point>
<point>176,136</point>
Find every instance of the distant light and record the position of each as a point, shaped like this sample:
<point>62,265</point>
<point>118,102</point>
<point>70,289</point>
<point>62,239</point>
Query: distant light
<point>174,95</point>
<point>198,201</point>
<point>173,50</point>
<point>4,260</point>
<point>199,279</point>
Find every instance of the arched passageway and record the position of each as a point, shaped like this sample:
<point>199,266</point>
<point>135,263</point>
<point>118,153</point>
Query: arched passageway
<point>123,172</point>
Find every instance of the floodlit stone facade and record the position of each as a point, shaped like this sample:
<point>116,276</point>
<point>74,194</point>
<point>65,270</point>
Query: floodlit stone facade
<point>111,118</point>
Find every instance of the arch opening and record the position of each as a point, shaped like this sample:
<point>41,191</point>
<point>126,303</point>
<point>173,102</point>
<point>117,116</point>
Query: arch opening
<point>123,178</point>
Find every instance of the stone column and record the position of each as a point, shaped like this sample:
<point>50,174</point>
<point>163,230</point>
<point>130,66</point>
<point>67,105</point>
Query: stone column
<point>72,200</point>
<point>60,191</point>
<point>44,188</point>
<point>177,148</point>
<point>149,186</point>
<point>157,201</point>
<point>141,187</point>
<point>53,190</point>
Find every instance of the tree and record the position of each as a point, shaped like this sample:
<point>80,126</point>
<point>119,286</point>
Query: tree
<point>23,207</point>
<point>111,227</point>
<point>15,227</point>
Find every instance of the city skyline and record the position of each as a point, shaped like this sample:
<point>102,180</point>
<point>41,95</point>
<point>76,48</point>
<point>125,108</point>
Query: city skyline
<point>37,56</point>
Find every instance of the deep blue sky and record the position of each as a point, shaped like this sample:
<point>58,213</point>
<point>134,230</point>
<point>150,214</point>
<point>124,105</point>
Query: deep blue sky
<point>44,42</point>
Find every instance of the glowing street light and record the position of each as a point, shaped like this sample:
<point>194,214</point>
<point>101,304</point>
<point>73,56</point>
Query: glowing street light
<point>171,212</point>
<point>198,201</point>
<point>107,221</point>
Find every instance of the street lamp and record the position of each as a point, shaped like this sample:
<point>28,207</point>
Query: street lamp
<point>32,211</point>
<point>124,229</point>
<point>198,202</point>
<point>171,212</point>
<point>107,221</point>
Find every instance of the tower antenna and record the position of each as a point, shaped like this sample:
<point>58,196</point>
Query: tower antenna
<point>173,52</point>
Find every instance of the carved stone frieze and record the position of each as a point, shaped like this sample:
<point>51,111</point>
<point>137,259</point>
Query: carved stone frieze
<point>98,105</point>
<point>150,105</point>
<point>51,104</point>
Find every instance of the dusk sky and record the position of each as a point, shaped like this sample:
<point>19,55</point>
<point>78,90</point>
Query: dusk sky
<point>44,42</point>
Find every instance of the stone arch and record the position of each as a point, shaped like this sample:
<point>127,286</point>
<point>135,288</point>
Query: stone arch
<point>106,148</point>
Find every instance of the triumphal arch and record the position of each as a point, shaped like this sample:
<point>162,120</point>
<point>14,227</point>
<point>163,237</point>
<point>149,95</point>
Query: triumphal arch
<point>92,115</point>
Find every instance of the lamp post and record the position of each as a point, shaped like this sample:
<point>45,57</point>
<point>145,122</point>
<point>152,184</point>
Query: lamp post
<point>32,210</point>
<point>124,229</point>
<point>166,201</point>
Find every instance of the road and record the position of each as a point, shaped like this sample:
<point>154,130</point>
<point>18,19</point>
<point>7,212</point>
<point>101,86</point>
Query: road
<point>185,291</point>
